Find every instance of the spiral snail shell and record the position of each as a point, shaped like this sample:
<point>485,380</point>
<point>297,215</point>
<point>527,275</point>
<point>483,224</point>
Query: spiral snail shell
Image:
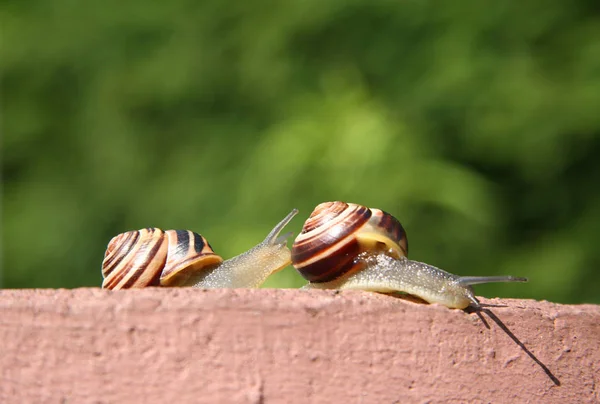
<point>336,232</point>
<point>349,246</point>
<point>153,257</point>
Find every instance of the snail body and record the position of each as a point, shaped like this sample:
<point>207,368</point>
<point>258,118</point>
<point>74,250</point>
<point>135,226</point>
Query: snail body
<point>349,246</point>
<point>153,257</point>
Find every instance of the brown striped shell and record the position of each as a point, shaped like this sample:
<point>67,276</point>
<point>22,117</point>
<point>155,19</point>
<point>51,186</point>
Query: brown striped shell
<point>336,232</point>
<point>153,257</point>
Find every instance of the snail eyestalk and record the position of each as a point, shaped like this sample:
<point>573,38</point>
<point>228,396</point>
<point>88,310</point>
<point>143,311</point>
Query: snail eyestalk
<point>273,237</point>
<point>476,280</point>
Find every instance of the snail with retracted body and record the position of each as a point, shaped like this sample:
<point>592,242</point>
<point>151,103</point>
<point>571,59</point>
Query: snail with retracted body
<point>349,246</point>
<point>153,257</point>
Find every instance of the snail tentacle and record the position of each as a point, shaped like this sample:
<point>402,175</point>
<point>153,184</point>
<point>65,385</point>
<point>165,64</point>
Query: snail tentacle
<point>273,237</point>
<point>475,280</point>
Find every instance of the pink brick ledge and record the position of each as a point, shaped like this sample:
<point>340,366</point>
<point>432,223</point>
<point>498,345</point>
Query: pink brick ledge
<point>289,346</point>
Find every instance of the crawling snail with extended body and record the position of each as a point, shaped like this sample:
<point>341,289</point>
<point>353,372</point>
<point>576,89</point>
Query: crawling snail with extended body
<point>153,257</point>
<point>349,246</point>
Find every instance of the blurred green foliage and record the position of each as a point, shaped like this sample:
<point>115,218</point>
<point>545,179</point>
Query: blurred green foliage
<point>476,123</point>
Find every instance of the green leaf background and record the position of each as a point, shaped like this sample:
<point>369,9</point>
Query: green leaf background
<point>476,123</point>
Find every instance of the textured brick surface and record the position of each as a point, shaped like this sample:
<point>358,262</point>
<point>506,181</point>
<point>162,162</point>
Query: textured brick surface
<point>290,346</point>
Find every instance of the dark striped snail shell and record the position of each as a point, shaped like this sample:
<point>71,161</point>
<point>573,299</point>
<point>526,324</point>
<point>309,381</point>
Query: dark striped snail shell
<point>337,232</point>
<point>349,246</point>
<point>153,257</point>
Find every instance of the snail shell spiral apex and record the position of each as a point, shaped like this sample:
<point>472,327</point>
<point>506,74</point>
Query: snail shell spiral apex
<point>337,232</point>
<point>153,257</point>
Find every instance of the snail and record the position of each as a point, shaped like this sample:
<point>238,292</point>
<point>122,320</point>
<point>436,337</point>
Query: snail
<point>153,257</point>
<point>349,246</point>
